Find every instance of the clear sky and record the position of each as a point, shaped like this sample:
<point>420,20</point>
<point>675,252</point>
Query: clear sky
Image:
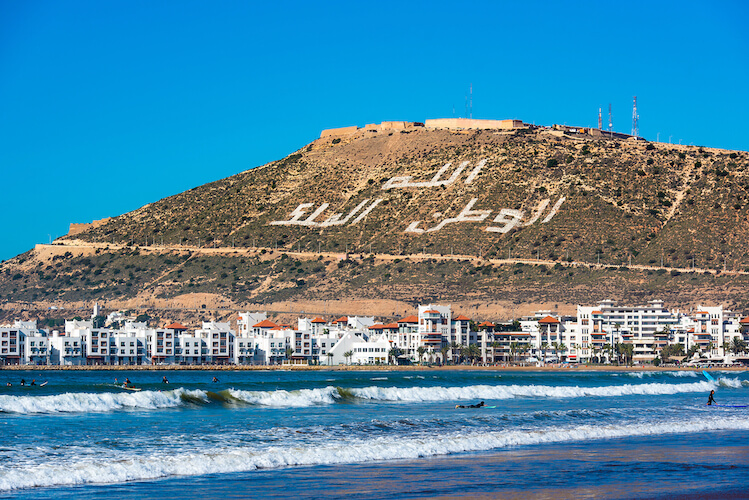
<point>108,105</point>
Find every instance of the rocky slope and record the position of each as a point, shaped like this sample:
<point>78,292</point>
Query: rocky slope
<point>426,215</point>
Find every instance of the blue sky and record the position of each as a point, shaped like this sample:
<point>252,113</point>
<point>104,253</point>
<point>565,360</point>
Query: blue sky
<point>107,106</point>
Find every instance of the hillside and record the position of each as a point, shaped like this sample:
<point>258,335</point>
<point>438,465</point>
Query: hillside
<point>418,215</point>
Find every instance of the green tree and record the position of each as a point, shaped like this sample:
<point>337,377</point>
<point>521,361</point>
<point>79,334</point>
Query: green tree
<point>393,354</point>
<point>444,350</point>
<point>738,345</point>
<point>348,355</point>
<point>420,351</point>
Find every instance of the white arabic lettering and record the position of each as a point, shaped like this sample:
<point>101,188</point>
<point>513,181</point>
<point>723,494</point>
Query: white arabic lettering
<point>465,215</point>
<point>334,220</point>
<point>405,181</point>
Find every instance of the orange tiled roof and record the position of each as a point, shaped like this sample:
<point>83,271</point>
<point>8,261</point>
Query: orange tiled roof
<point>596,312</point>
<point>318,320</point>
<point>431,311</point>
<point>744,321</point>
<point>342,319</point>
<point>409,319</point>
<point>462,318</point>
<point>265,324</point>
<point>487,324</point>
<point>176,326</point>
<point>548,319</point>
<point>378,326</point>
<point>391,325</point>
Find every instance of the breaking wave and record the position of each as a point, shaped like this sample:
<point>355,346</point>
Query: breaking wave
<point>158,464</point>
<point>82,402</point>
<point>513,391</point>
<point>152,400</point>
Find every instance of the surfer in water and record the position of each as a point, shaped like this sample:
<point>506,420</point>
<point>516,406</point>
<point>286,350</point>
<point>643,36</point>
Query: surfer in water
<point>128,383</point>
<point>710,398</point>
<point>164,380</point>
<point>477,405</point>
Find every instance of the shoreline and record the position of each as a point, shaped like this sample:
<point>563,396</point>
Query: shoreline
<point>384,368</point>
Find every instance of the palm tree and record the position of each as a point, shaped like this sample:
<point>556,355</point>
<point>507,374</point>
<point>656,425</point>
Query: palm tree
<point>421,349</point>
<point>555,348</point>
<point>543,348</point>
<point>608,349</point>
<point>474,352</point>
<point>330,358</point>
<point>513,349</point>
<point>453,348</point>
<point>444,350</point>
<point>738,345</point>
<point>394,353</point>
<point>726,347</point>
<point>348,355</point>
<point>562,348</point>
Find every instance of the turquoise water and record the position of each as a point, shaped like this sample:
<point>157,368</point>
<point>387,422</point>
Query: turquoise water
<point>376,434</point>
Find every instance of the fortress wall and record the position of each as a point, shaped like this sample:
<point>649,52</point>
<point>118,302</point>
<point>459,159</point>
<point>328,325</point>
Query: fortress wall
<point>337,132</point>
<point>467,123</point>
<point>79,228</point>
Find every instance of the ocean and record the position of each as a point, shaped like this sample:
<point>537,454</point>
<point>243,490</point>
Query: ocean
<point>374,434</point>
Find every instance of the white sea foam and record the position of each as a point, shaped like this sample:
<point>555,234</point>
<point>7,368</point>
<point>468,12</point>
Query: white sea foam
<point>82,402</point>
<point>300,398</point>
<point>133,467</point>
<point>678,374</point>
<point>513,391</point>
<point>733,383</point>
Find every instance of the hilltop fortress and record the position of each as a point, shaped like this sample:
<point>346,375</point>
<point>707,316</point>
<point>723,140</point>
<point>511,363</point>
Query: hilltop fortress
<point>459,124</point>
<point>439,123</point>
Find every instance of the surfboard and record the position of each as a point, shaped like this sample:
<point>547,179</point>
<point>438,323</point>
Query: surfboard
<point>132,389</point>
<point>731,406</point>
<point>708,376</point>
<point>43,383</point>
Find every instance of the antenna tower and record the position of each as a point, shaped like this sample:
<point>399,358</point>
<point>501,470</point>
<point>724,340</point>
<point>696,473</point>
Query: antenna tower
<point>470,102</point>
<point>611,123</point>
<point>635,118</point>
<point>600,122</point>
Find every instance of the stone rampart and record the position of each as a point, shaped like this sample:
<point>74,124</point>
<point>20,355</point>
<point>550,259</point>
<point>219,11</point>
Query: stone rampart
<point>469,123</point>
<point>338,132</point>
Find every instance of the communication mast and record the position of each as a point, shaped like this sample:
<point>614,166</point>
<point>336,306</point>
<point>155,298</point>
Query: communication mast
<point>600,121</point>
<point>470,102</point>
<point>635,118</point>
<point>611,123</point>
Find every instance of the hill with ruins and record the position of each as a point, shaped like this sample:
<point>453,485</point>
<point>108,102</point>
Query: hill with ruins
<point>494,218</point>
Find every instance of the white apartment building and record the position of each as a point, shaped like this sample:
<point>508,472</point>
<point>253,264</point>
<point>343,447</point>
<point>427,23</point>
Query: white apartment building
<point>218,342</point>
<point>66,350</point>
<point>12,341</point>
<point>35,348</point>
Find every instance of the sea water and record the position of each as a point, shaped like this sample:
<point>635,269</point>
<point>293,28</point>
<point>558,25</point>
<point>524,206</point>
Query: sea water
<point>374,434</point>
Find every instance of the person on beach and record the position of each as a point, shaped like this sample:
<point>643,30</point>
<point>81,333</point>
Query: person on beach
<point>710,398</point>
<point>478,405</point>
<point>164,380</point>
